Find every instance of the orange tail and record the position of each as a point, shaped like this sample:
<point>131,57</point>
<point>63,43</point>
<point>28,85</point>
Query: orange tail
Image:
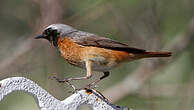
<point>157,54</point>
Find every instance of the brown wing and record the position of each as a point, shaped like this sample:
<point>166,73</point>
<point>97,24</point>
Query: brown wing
<point>102,42</point>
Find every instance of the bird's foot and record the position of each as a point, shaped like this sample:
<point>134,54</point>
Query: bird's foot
<point>54,77</point>
<point>66,80</point>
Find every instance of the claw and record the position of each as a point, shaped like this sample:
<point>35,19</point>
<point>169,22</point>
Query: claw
<point>54,76</point>
<point>66,80</point>
<point>62,80</point>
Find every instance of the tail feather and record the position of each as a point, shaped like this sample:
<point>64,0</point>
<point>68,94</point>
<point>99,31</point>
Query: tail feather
<point>157,54</point>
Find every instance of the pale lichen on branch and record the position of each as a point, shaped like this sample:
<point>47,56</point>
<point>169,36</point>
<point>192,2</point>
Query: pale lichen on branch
<point>45,101</point>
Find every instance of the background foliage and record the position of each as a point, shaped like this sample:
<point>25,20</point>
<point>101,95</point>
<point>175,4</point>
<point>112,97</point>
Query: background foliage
<point>148,84</point>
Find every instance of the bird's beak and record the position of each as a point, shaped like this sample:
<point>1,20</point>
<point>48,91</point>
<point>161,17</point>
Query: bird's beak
<point>39,36</point>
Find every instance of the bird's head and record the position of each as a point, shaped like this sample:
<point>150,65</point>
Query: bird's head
<point>52,32</point>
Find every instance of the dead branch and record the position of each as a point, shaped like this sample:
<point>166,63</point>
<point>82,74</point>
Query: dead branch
<point>46,101</point>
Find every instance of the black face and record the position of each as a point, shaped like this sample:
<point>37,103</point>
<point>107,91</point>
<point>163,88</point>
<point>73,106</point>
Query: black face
<point>49,34</point>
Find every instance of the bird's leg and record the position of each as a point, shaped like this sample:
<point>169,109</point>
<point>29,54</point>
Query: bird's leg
<point>106,74</point>
<point>67,80</point>
<point>88,75</point>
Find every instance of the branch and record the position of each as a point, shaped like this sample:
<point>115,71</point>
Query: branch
<point>45,101</point>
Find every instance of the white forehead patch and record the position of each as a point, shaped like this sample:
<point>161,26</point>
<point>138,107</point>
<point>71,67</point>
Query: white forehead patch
<point>61,28</point>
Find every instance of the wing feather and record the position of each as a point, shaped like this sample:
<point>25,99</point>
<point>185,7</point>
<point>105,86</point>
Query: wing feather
<point>87,39</point>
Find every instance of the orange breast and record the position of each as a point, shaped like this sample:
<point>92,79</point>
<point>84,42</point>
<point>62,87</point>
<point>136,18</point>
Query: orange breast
<point>76,53</point>
<point>69,50</point>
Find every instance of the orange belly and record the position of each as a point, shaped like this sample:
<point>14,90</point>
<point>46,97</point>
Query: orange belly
<point>102,59</point>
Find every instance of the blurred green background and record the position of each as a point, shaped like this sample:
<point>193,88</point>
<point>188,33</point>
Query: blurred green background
<point>147,84</point>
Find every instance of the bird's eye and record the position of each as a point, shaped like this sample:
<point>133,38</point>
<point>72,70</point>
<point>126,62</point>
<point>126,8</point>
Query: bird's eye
<point>47,31</point>
<point>54,32</point>
<point>50,32</point>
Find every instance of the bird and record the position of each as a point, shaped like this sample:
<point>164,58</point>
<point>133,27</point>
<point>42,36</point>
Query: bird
<point>92,52</point>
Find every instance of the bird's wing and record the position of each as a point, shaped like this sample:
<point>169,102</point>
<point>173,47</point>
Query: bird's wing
<point>102,42</point>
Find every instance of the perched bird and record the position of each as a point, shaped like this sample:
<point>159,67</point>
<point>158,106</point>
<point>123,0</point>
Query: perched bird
<point>92,52</point>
